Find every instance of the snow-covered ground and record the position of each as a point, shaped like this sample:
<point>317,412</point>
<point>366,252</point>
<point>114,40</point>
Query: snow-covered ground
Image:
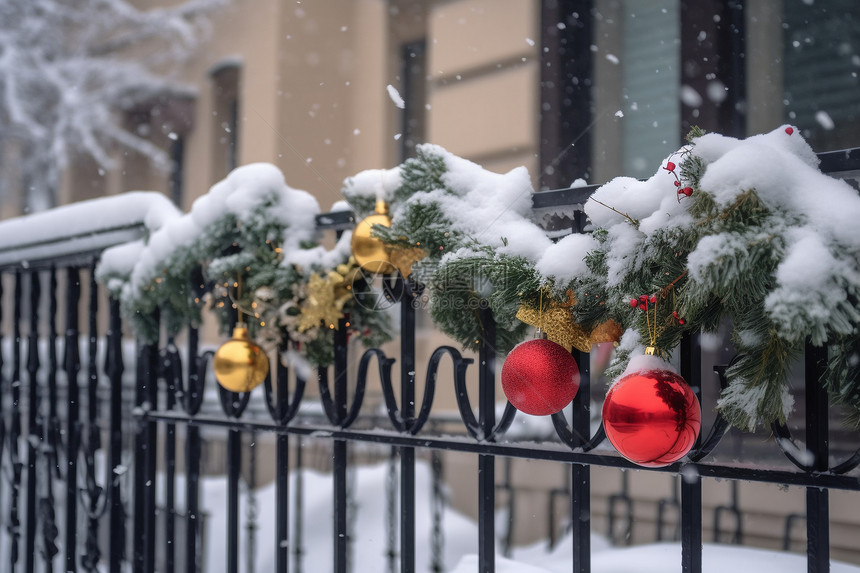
<point>370,543</point>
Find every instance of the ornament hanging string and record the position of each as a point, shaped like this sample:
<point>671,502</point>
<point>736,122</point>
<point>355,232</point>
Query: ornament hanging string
<point>240,316</point>
<point>652,332</point>
<point>242,312</point>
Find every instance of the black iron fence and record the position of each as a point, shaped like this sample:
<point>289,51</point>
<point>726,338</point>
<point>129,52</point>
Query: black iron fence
<point>89,474</point>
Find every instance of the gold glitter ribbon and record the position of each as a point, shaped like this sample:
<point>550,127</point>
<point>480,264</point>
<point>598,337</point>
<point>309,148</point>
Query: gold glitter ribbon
<point>557,321</point>
<point>404,258</point>
<point>327,294</point>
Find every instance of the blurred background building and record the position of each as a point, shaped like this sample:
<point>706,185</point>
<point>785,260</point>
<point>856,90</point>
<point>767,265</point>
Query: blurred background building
<point>571,89</point>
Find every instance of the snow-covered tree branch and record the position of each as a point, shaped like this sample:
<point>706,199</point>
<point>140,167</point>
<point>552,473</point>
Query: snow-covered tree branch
<point>69,69</point>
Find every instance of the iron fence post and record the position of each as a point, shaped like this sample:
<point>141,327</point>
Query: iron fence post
<point>144,460</point>
<point>234,466</point>
<point>192,400</point>
<point>691,482</point>
<point>339,457</point>
<point>487,462</point>
<point>32,412</point>
<point>817,443</point>
<point>580,494</point>
<point>115,370</point>
<point>72,367</point>
<point>14,523</point>
<point>169,371</point>
<point>282,501</point>
<point>407,409</point>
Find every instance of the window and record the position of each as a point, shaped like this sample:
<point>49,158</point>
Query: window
<point>177,157</point>
<point>565,92</point>
<point>624,81</point>
<point>225,115</point>
<point>821,91</point>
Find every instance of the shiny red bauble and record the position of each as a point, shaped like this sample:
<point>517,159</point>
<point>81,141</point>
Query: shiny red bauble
<point>540,377</point>
<point>652,417</point>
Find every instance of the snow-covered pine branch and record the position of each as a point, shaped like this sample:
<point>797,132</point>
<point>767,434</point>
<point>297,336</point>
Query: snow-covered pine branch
<point>69,70</point>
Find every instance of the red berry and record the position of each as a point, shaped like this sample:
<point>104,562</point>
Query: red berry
<point>643,306</point>
<point>643,297</point>
<point>675,313</point>
<point>687,191</point>
<point>653,299</point>
<point>680,321</point>
<point>634,303</point>
<point>789,130</point>
<point>670,166</point>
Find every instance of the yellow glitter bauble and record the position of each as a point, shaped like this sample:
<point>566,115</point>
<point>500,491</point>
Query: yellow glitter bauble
<point>240,365</point>
<point>370,253</point>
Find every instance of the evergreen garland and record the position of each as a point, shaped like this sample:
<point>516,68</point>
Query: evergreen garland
<point>417,217</point>
<point>745,242</point>
<point>462,277</point>
<point>461,287</point>
<point>166,296</point>
<point>717,260</point>
<point>243,259</point>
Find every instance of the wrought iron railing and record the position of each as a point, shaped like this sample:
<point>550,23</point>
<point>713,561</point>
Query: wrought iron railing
<point>57,472</point>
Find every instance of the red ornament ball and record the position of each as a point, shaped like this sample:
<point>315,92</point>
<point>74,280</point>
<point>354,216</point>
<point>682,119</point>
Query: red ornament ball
<point>789,130</point>
<point>540,377</point>
<point>652,417</point>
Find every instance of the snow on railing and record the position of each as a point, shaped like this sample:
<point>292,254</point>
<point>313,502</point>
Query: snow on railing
<point>83,228</point>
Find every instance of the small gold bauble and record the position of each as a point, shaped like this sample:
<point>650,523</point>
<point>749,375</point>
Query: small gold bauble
<point>370,253</point>
<point>240,365</point>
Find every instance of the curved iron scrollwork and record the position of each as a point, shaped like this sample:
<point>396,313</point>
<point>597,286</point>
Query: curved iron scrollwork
<point>233,404</point>
<point>721,425</point>
<point>798,455</point>
<point>473,426</point>
<point>573,440</point>
<point>334,401</point>
<point>413,424</point>
<point>283,408</point>
<point>482,427</point>
<point>814,456</point>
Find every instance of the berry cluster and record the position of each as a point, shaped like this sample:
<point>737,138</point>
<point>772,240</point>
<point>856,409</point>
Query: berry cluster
<point>642,301</point>
<point>685,191</point>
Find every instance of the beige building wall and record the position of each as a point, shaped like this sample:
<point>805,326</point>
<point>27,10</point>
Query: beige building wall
<point>483,58</point>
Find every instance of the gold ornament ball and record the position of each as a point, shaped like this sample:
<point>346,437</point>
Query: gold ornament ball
<point>240,365</point>
<point>370,253</point>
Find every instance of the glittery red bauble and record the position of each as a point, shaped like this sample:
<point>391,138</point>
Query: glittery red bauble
<point>540,377</point>
<point>652,417</point>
